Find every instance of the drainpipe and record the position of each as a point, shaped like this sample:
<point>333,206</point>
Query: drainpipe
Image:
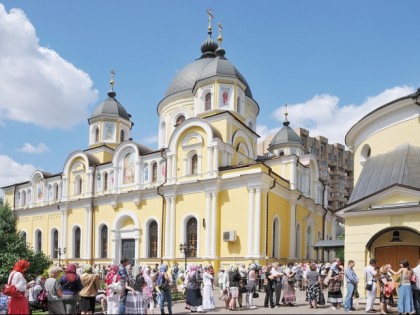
<point>91,215</point>
<point>270,171</point>
<point>163,206</point>
<point>324,215</point>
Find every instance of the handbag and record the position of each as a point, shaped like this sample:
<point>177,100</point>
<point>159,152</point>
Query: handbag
<point>243,289</point>
<point>368,287</point>
<point>115,287</point>
<point>255,295</point>
<point>356,293</point>
<point>10,289</point>
<point>413,279</point>
<point>321,299</point>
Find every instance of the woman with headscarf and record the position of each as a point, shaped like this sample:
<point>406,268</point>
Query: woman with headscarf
<point>234,279</point>
<point>19,305</point>
<point>208,297</point>
<point>71,286</point>
<point>289,294</point>
<point>193,284</point>
<point>35,291</point>
<point>313,284</point>
<point>113,298</point>
<point>91,285</point>
<point>335,278</point>
<point>148,290</point>
<point>251,286</point>
<point>164,292</point>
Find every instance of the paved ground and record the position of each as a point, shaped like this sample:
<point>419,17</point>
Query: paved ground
<point>301,307</point>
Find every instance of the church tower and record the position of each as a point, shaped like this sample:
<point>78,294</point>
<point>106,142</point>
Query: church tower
<point>110,123</point>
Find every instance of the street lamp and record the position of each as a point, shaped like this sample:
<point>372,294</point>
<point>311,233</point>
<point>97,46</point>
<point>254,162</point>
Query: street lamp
<point>184,249</point>
<point>60,251</point>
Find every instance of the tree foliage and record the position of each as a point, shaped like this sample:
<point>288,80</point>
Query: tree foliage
<point>13,247</point>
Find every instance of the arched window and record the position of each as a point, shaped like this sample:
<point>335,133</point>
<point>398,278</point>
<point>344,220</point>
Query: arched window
<point>146,173</point>
<point>297,254</point>
<point>163,133</point>
<point>104,241</point>
<point>309,242</point>
<point>23,236</point>
<point>77,239</point>
<point>55,244</point>
<point>179,120</point>
<point>106,182</point>
<point>238,105</point>
<point>97,135</point>
<point>38,241</point>
<point>276,238</point>
<point>194,164</point>
<point>56,192</point>
<point>154,172</point>
<point>153,239</point>
<point>122,135</point>
<point>192,237</point>
<point>23,198</point>
<point>207,101</point>
<point>78,185</point>
<point>50,193</point>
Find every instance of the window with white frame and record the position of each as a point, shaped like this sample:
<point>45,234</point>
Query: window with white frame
<point>54,248</point>
<point>153,239</point>
<point>78,185</point>
<point>154,172</point>
<point>207,101</point>
<point>38,241</point>
<point>104,241</point>
<point>77,242</point>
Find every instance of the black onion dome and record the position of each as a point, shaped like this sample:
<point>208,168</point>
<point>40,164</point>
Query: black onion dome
<point>111,107</point>
<point>208,47</point>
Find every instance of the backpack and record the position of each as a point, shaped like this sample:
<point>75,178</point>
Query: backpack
<point>42,299</point>
<point>139,283</point>
<point>162,283</point>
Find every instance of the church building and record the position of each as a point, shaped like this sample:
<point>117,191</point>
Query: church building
<point>203,196</point>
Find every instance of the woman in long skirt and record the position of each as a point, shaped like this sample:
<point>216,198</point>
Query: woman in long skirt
<point>405,293</point>
<point>112,298</point>
<point>208,297</point>
<point>193,284</point>
<point>313,280</point>
<point>335,296</point>
<point>19,305</point>
<point>289,294</point>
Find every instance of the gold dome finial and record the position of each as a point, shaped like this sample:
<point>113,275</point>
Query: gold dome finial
<point>286,113</point>
<point>112,82</point>
<point>210,20</point>
<point>220,38</point>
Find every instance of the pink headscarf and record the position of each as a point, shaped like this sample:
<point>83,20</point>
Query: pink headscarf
<point>113,270</point>
<point>71,272</point>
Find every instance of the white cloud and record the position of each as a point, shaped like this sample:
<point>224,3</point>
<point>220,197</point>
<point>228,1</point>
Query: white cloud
<point>153,139</point>
<point>264,131</point>
<point>29,148</point>
<point>38,86</point>
<point>324,115</point>
<point>12,172</point>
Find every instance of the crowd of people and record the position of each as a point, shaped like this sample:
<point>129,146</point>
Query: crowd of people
<point>140,289</point>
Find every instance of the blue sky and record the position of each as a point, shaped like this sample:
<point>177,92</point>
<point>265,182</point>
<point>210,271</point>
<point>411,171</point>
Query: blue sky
<point>331,61</point>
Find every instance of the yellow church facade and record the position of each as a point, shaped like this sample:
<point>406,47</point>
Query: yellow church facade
<point>204,187</point>
<point>382,218</point>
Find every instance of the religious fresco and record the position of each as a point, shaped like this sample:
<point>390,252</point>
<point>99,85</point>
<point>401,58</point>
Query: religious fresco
<point>128,169</point>
<point>109,131</point>
<point>40,191</point>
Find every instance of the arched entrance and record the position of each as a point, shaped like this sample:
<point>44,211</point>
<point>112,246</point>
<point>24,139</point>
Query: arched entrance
<point>393,244</point>
<point>126,237</point>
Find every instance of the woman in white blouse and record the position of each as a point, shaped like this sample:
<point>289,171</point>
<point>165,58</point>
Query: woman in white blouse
<point>19,305</point>
<point>208,297</point>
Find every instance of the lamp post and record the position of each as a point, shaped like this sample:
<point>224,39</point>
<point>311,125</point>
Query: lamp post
<point>60,251</point>
<point>186,250</point>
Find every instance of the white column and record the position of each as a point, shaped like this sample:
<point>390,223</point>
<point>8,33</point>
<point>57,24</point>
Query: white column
<point>251,194</point>
<point>173,168</point>
<point>292,249</point>
<point>210,161</point>
<point>63,234</point>
<point>169,168</point>
<point>257,231</point>
<point>293,176</point>
<point>216,160</point>
<point>208,224</point>
<point>87,237</point>
<point>214,224</point>
<point>173,229</point>
<point>167,225</point>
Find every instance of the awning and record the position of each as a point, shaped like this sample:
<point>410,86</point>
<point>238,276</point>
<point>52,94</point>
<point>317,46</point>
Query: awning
<point>329,244</point>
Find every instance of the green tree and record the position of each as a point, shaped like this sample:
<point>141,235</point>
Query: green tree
<point>13,247</point>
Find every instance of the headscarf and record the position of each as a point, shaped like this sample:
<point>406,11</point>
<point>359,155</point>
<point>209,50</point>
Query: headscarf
<point>87,268</point>
<point>163,268</point>
<point>38,281</point>
<point>113,270</point>
<point>193,270</point>
<point>312,267</point>
<point>234,268</point>
<point>71,275</point>
<point>252,266</point>
<point>21,265</point>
